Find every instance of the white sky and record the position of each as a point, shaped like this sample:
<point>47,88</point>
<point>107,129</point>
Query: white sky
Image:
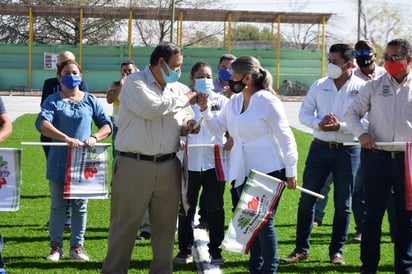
<point>345,12</point>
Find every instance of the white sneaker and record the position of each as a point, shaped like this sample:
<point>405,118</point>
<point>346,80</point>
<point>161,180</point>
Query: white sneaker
<point>56,253</point>
<point>78,252</point>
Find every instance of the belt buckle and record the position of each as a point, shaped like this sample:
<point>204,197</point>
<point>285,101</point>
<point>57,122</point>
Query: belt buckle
<point>333,145</point>
<point>155,158</point>
<point>138,156</point>
<point>394,155</point>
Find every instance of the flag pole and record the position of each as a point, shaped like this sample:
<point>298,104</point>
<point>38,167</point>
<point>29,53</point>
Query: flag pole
<point>62,144</point>
<point>307,191</point>
<point>377,143</point>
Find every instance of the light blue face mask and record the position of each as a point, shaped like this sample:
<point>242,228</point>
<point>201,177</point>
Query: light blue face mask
<point>203,85</point>
<point>173,75</point>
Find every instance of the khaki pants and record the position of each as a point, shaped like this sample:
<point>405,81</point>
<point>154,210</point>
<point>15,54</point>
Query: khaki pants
<point>137,185</point>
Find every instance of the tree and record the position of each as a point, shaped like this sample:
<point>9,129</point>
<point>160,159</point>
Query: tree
<point>382,23</point>
<point>51,30</point>
<point>151,32</point>
<point>248,32</point>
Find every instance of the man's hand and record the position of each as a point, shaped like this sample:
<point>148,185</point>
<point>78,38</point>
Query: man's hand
<point>329,123</point>
<point>367,141</point>
<point>190,125</point>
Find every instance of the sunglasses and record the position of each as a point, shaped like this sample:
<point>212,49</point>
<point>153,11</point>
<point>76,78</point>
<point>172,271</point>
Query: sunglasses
<point>393,58</point>
<point>360,52</point>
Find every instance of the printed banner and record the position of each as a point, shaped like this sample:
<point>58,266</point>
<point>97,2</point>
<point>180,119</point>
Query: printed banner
<point>222,157</point>
<point>10,179</point>
<point>86,175</point>
<point>408,177</point>
<point>259,196</point>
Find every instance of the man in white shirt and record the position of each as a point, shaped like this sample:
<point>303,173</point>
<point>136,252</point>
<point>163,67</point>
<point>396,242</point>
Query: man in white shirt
<point>388,102</point>
<point>322,110</point>
<point>367,69</point>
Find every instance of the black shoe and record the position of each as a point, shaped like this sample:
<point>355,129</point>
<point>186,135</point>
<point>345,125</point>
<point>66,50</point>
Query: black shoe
<point>144,236</point>
<point>216,258</point>
<point>183,258</point>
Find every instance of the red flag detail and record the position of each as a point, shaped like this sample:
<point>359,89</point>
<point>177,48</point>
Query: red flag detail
<point>218,164</point>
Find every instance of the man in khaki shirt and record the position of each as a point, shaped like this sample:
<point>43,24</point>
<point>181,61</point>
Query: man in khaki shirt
<point>146,172</point>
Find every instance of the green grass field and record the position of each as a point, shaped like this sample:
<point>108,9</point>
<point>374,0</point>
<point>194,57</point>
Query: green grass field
<point>26,239</point>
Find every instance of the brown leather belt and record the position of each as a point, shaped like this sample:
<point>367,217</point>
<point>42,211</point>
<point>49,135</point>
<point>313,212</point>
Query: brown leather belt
<point>390,154</point>
<point>152,158</point>
<point>328,144</point>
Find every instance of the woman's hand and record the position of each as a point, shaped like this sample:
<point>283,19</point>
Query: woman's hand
<point>90,141</point>
<point>73,142</point>
<point>291,182</point>
<point>201,101</point>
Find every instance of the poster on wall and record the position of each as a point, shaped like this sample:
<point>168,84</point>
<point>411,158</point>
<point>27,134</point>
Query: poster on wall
<point>50,61</point>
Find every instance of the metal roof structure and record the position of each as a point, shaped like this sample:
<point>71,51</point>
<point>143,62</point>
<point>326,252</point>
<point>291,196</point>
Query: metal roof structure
<point>209,15</point>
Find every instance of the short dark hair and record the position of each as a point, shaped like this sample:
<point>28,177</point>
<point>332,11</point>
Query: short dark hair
<point>365,44</point>
<point>197,66</point>
<point>126,63</point>
<point>405,46</point>
<point>345,50</point>
<point>227,56</point>
<point>165,50</point>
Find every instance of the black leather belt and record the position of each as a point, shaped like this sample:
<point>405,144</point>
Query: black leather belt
<point>153,158</point>
<point>390,154</point>
<point>328,144</point>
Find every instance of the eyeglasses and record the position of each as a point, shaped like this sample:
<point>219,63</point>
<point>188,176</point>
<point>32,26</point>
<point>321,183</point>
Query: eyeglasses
<point>360,52</point>
<point>393,58</point>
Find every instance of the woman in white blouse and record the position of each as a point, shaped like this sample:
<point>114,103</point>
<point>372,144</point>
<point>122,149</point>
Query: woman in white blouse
<point>263,141</point>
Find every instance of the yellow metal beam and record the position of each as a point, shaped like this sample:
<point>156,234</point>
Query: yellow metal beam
<point>129,35</point>
<point>81,38</point>
<point>181,28</point>
<point>278,57</point>
<point>29,72</point>
<point>229,34</point>
<point>322,70</point>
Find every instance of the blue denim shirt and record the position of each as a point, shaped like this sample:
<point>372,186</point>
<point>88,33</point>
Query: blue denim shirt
<point>75,120</point>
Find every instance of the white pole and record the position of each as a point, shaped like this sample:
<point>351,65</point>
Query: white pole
<point>307,191</point>
<point>377,143</point>
<point>56,144</point>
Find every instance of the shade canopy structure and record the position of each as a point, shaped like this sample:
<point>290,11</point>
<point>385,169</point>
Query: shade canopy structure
<point>210,15</point>
<point>175,14</point>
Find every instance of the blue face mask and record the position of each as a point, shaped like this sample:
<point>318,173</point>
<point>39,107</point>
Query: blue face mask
<point>203,85</point>
<point>71,81</point>
<point>173,75</point>
<point>225,74</point>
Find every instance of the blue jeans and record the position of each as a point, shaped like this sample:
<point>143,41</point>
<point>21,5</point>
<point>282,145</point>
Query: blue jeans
<point>322,160</point>
<point>114,134</point>
<point>58,216</point>
<point>264,257</point>
<point>321,203</point>
<point>214,191</point>
<point>382,175</point>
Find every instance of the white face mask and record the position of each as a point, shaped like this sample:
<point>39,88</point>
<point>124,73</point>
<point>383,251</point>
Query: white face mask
<point>334,71</point>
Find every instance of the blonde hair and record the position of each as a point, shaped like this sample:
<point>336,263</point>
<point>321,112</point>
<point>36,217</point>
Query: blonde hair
<point>65,55</point>
<point>262,78</point>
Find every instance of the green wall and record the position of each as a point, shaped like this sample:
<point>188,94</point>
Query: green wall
<point>101,64</point>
